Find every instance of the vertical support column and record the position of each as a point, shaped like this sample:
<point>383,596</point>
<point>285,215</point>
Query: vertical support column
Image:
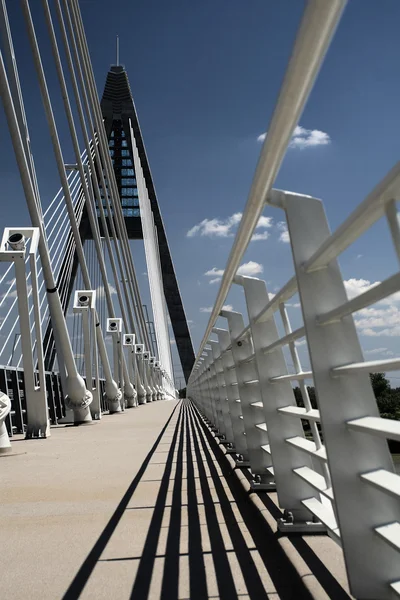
<point>233,397</point>
<point>114,327</point>
<point>371,564</point>
<point>290,488</point>
<point>208,388</point>
<point>157,368</point>
<point>217,386</point>
<point>141,390</point>
<point>85,303</point>
<point>128,343</point>
<point>251,403</point>
<point>224,342</point>
<point>147,381</point>
<point>13,249</point>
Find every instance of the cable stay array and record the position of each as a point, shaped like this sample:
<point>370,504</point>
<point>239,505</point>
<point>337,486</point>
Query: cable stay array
<point>71,307</point>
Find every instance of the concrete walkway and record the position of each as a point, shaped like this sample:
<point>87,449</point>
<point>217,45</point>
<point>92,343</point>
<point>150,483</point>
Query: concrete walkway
<point>144,505</point>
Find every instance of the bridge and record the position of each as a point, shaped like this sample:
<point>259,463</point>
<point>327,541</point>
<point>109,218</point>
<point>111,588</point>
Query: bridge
<point>253,484</point>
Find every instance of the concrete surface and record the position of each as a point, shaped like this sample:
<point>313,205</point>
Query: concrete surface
<point>145,505</point>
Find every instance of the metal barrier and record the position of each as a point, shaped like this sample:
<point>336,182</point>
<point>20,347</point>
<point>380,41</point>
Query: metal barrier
<point>12,383</point>
<point>344,483</point>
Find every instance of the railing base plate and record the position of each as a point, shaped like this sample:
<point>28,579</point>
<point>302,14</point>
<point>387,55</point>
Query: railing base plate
<point>263,487</point>
<point>301,527</point>
<point>242,463</point>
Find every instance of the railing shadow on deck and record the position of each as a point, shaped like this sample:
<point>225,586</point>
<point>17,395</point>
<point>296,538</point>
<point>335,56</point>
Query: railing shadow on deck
<point>193,444</point>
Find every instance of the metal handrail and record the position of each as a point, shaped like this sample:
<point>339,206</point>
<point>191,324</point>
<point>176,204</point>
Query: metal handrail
<point>316,30</point>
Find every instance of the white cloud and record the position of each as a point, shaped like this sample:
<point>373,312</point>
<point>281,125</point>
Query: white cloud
<point>215,227</point>
<point>250,268</point>
<point>208,309</point>
<point>284,233</point>
<point>214,272</point>
<point>382,351</point>
<point>354,287</point>
<point>264,222</point>
<point>225,227</point>
<point>256,237</point>
<point>304,138</point>
<point>380,320</point>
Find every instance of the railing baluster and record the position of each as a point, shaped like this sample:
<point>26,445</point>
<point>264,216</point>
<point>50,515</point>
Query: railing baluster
<point>218,384</point>
<point>350,454</point>
<point>290,488</point>
<point>224,342</point>
<point>250,397</point>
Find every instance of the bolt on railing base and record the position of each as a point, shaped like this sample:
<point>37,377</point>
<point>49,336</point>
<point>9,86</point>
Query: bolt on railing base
<point>288,525</point>
<point>260,483</point>
<point>240,462</point>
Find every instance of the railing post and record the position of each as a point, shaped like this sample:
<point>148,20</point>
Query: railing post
<point>218,386</point>
<point>290,488</point>
<point>224,342</point>
<point>251,404</point>
<point>210,376</point>
<point>84,304</point>
<point>360,508</point>
<point>140,388</point>
<point>114,327</point>
<point>233,396</point>
<point>13,249</point>
<point>129,345</point>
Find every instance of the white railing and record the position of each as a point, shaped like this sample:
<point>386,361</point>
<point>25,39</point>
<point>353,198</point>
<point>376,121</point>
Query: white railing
<point>341,480</point>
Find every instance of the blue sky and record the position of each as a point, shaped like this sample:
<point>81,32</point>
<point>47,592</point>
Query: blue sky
<point>205,77</point>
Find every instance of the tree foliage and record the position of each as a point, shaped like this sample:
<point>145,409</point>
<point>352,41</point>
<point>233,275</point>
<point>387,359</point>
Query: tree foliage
<point>388,398</point>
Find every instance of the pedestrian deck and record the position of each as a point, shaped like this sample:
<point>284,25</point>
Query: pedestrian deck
<point>145,505</point>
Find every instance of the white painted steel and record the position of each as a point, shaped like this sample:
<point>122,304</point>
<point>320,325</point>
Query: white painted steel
<point>384,480</point>
<point>5,408</point>
<point>246,371</point>
<point>38,425</point>
<point>346,481</point>
<point>385,428</point>
<point>153,268</point>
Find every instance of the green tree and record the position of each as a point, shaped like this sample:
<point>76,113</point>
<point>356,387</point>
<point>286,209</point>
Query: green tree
<point>387,398</point>
<point>380,384</point>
